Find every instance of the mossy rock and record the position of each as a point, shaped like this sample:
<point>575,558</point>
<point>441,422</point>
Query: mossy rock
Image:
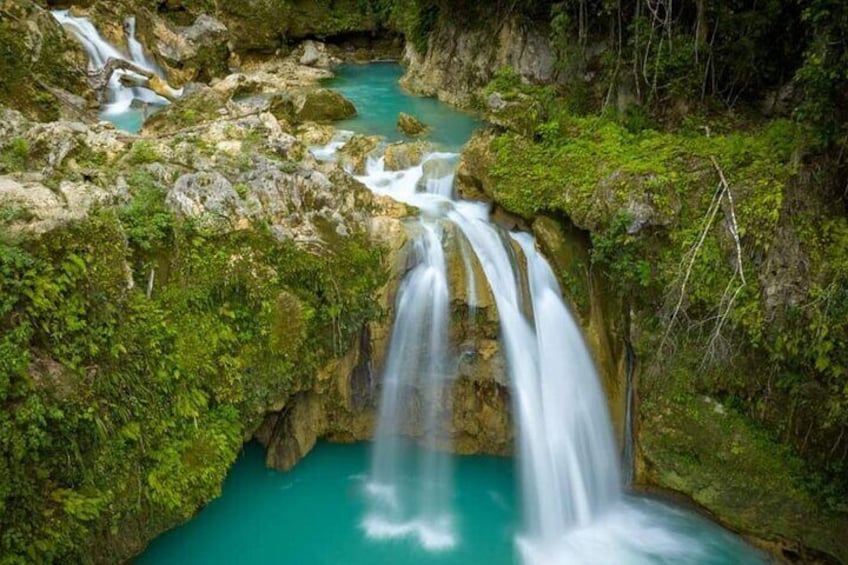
<point>410,125</point>
<point>697,446</point>
<point>199,104</point>
<point>404,155</point>
<point>323,105</point>
<point>43,69</point>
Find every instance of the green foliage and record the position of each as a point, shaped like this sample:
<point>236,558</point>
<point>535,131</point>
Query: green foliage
<point>147,221</point>
<point>142,152</point>
<point>14,156</point>
<point>126,410</point>
<point>645,196</point>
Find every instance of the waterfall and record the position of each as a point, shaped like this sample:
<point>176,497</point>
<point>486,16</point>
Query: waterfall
<point>415,393</point>
<point>569,466</point>
<point>119,98</point>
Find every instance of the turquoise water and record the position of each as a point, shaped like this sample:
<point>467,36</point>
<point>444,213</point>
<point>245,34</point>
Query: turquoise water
<point>314,513</point>
<point>132,119</point>
<point>129,121</point>
<point>378,98</point>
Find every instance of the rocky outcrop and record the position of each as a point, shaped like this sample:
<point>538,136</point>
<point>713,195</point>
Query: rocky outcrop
<point>460,61</point>
<point>404,155</point>
<point>356,151</point>
<point>322,105</point>
<point>410,125</point>
<point>196,52</point>
<point>43,68</point>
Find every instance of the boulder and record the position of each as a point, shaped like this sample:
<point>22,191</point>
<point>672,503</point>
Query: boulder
<point>410,125</point>
<point>323,105</point>
<point>196,52</point>
<point>315,54</point>
<point>404,155</point>
<point>354,154</point>
<point>198,104</point>
<point>518,112</point>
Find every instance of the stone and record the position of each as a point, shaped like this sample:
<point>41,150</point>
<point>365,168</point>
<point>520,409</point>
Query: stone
<point>410,125</point>
<point>198,104</point>
<point>354,154</point>
<point>404,155</point>
<point>461,60</point>
<point>42,66</point>
<point>195,52</point>
<point>322,105</point>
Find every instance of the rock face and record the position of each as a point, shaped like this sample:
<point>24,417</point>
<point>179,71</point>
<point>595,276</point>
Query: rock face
<point>42,67</point>
<point>196,52</point>
<point>410,125</point>
<point>323,105</point>
<point>461,61</point>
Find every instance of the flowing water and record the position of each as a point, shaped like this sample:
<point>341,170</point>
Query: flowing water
<point>126,107</point>
<point>413,504</point>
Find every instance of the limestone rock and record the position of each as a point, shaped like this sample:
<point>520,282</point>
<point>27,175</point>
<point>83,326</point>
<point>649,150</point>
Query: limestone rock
<point>322,105</point>
<point>315,54</point>
<point>520,113</point>
<point>195,52</point>
<point>35,209</point>
<point>315,134</point>
<point>354,154</point>
<point>404,155</point>
<point>410,125</point>
<point>199,104</point>
<point>42,66</point>
<point>472,175</point>
<point>460,62</point>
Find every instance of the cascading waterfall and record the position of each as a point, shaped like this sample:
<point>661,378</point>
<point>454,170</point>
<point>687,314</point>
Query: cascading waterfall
<point>568,460</point>
<point>417,362</point>
<point>120,98</point>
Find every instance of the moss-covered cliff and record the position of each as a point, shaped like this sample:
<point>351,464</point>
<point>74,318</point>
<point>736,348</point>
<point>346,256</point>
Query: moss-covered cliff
<point>42,69</point>
<point>730,261</point>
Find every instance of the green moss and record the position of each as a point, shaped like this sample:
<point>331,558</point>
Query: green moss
<point>142,152</point>
<point>696,445</point>
<point>14,156</point>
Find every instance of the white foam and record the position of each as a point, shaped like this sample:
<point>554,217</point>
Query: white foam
<point>433,536</point>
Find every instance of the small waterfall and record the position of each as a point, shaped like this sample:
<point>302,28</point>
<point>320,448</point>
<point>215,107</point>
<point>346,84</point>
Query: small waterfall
<point>415,392</point>
<point>570,463</point>
<point>119,97</point>
<point>628,454</point>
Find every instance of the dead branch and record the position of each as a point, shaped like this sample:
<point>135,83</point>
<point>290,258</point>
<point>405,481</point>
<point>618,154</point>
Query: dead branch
<point>134,75</point>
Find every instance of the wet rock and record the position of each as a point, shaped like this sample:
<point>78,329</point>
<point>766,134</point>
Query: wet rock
<point>354,155</point>
<point>404,155</point>
<point>322,105</point>
<point>472,175</point>
<point>410,125</point>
